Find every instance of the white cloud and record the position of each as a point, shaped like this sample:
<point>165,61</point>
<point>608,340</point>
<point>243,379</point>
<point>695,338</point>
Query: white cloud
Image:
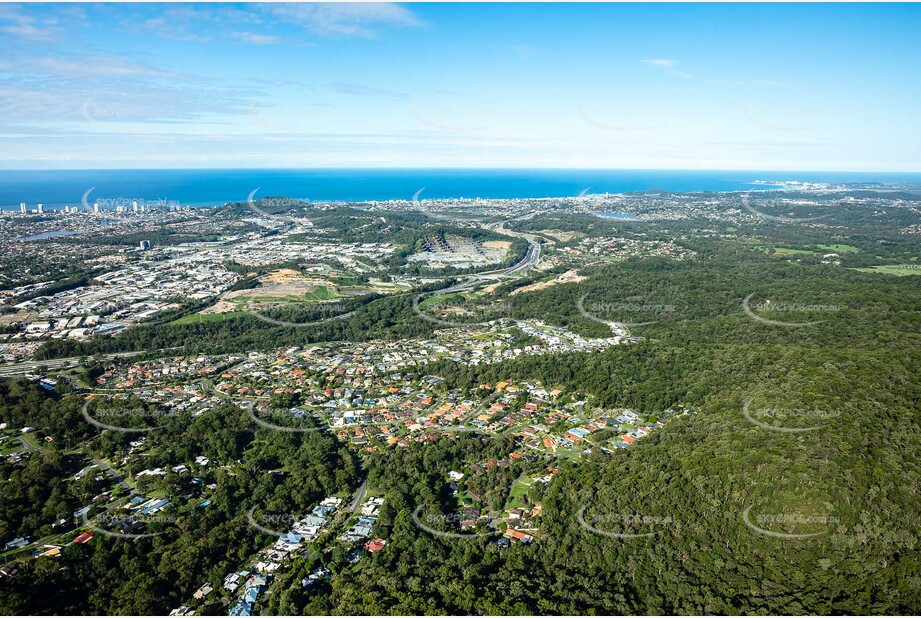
<point>354,18</point>
<point>28,31</point>
<point>184,22</point>
<point>174,24</point>
<point>670,66</point>
<point>255,38</point>
<point>94,66</point>
<point>23,25</point>
<point>361,89</point>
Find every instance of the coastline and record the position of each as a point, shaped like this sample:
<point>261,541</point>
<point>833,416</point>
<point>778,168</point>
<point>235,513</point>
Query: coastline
<point>208,188</point>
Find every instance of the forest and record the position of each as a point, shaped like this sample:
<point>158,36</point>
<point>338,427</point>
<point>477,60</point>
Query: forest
<point>809,506</point>
<point>154,574</point>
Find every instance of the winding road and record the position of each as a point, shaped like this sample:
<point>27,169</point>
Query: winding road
<point>530,259</point>
<point>31,447</point>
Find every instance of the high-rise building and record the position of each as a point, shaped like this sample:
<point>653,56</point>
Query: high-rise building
<point>145,245</point>
<point>22,207</point>
<point>134,204</point>
<point>95,206</point>
<point>41,209</point>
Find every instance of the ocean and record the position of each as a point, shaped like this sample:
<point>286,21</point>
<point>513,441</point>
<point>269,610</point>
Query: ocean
<point>205,187</point>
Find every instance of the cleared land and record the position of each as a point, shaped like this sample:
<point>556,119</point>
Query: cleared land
<point>197,318</point>
<point>564,236</point>
<point>460,252</point>
<point>900,270</point>
<point>570,276</point>
<point>839,248</point>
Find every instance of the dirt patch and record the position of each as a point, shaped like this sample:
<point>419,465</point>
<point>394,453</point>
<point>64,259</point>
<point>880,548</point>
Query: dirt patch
<point>221,306</point>
<point>285,275</point>
<point>564,236</point>
<point>570,276</point>
<point>13,318</point>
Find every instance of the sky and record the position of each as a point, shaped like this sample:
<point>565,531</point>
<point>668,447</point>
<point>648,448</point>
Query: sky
<point>602,86</point>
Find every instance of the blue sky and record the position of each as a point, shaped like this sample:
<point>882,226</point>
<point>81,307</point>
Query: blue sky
<point>680,86</point>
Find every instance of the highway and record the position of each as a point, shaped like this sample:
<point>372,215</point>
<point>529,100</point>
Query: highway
<point>21,369</point>
<point>530,259</point>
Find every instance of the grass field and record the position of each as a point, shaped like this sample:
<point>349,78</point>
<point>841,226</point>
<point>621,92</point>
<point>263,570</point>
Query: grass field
<point>239,305</point>
<point>519,489</point>
<point>441,298</point>
<point>819,250</point>
<point>242,301</point>
<point>31,439</point>
<point>839,248</point>
<point>564,236</point>
<point>10,446</point>
<point>321,292</point>
<point>788,251</point>
<point>899,270</point>
<point>198,318</point>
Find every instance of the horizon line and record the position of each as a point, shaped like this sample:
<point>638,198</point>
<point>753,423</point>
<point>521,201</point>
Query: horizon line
<point>448,168</point>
